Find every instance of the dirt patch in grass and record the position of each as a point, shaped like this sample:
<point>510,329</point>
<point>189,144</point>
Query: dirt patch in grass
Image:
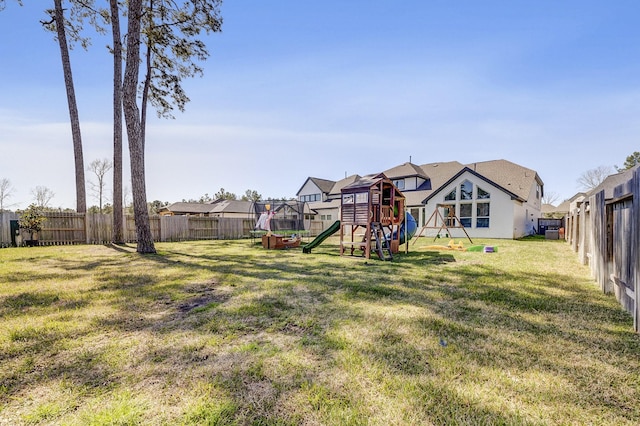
<point>224,332</point>
<point>204,294</point>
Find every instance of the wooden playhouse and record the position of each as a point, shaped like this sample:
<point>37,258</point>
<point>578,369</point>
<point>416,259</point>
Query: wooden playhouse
<point>372,211</point>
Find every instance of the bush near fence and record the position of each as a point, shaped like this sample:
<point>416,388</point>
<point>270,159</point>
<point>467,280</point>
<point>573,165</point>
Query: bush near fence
<point>62,228</point>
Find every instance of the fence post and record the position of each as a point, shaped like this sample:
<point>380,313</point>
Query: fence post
<point>635,240</point>
<point>87,237</point>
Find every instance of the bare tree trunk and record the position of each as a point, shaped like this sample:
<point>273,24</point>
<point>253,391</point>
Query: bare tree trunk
<point>81,198</point>
<point>118,214</point>
<point>147,80</point>
<point>100,190</point>
<point>134,129</point>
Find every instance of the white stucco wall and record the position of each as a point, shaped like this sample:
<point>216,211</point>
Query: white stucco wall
<point>501,210</point>
<point>319,209</point>
<point>520,227</point>
<point>526,214</point>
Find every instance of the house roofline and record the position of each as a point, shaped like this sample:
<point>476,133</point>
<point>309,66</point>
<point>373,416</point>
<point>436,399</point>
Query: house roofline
<point>313,179</point>
<point>478,175</point>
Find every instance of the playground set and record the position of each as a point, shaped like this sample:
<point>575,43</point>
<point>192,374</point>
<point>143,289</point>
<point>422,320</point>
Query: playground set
<point>444,222</point>
<point>373,219</point>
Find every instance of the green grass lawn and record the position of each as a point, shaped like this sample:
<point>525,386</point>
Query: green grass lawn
<point>225,333</point>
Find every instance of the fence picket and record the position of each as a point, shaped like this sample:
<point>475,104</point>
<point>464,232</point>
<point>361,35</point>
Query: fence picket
<point>63,228</point>
<point>605,232</point>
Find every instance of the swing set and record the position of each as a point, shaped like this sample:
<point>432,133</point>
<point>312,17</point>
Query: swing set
<point>442,222</point>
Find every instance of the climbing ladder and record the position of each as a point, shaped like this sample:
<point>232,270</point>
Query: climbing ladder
<point>382,244</point>
<point>375,233</point>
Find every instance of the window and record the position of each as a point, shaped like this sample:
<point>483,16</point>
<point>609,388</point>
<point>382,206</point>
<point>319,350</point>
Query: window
<point>538,191</point>
<point>310,198</point>
<point>466,190</point>
<point>465,215</point>
<point>399,183</point>
<point>362,197</point>
<point>466,208</point>
<point>325,217</point>
<point>482,194</point>
<point>415,213</point>
<point>448,213</point>
<point>482,215</point>
<point>348,199</point>
<point>310,216</point>
<point>450,196</point>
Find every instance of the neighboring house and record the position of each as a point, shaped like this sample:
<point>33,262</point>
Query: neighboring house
<point>218,208</point>
<point>562,209</point>
<point>186,209</point>
<point>420,181</point>
<point>323,198</point>
<point>548,210</point>
<point>413,181</point>
<point>493,199</point>
<point>315,190</point>
<point>232,208</point>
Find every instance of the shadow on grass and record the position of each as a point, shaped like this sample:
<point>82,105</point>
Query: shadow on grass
<point>262,304</point>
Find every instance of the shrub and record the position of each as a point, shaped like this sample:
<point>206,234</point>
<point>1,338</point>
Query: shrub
<point>31,219</point>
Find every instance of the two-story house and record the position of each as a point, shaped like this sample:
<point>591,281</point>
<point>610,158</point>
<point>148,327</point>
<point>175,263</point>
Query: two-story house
<point>492,199</point>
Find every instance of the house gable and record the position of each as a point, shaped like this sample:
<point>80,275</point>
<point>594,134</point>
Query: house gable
<point>485,209</point>
<point>408,177</point>
<point>479,176</point>
<point>314,190</point>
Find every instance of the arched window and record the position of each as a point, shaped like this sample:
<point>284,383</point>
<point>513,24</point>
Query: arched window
<point>466,190</point>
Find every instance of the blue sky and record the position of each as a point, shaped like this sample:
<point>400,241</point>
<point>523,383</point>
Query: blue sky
<point>295,89</point>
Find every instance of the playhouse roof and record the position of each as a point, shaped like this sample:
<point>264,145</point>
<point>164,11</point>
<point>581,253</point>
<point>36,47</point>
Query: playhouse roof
<point>365,182</point>
<point>368,181</point>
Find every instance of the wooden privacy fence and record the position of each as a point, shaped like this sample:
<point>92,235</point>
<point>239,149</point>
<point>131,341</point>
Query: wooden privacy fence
<point>604,229</point>
<point>62,228</point>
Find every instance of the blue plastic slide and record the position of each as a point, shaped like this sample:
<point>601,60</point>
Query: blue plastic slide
<point>411,226</point>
